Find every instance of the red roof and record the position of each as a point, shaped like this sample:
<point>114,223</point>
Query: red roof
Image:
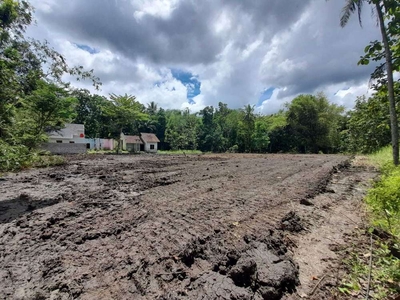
<point>133,139</point>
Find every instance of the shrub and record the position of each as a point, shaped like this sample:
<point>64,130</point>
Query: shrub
<point>384,200</point>
<point>14,157</point>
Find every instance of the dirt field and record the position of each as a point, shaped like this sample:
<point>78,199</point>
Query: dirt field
<point>175,227</point>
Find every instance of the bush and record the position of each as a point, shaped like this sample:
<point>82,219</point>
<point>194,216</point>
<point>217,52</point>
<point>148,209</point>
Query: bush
<point>17,157</point>
<point>384,200</point>
<point>234,149</point>
<point>14,157</point>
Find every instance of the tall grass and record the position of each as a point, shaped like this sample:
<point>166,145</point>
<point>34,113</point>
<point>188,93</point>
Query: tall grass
<point>384,198</point>
<point>382,158</point>
<point>383,203</point>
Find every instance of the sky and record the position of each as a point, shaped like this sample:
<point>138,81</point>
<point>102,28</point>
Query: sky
<point>191,53</point>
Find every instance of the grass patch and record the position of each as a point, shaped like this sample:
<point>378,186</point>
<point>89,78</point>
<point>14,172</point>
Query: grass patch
<point>383,200</point>
<point>382,159</point>
<point>383,206</point>
<point>44,161</point>
<point>385,273</point>
<point>177,152</point>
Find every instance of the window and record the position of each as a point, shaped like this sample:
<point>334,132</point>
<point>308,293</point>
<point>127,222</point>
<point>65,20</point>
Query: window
<point>59,142</point>
<point>87,146</point>
<point>151,146</point>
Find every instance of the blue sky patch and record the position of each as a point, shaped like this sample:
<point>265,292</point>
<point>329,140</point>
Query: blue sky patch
<point>191,82</point>
<point>87,48</point>
<point>267,94</point>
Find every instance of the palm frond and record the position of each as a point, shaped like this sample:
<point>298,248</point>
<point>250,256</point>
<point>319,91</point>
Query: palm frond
<point>351,7</point>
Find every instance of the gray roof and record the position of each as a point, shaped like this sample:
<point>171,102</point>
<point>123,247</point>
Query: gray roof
<point>149,137</point>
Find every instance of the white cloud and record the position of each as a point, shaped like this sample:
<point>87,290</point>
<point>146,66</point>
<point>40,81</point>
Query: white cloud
<point>236,49</point>
<point>156,8</point>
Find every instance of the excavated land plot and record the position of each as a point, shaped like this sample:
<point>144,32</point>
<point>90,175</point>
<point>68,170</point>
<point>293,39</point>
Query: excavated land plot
<point>172,227</point>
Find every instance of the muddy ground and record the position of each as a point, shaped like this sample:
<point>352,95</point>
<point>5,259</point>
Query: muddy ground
<point>175,227</point>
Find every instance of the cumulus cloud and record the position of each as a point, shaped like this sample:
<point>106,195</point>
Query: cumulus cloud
<point>235,49</point>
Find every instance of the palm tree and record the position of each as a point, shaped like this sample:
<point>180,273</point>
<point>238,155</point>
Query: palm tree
<point>353,6</point>
<point>152,108</point>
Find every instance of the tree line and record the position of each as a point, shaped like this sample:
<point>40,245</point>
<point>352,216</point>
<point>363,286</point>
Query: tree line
<point>35,100</point>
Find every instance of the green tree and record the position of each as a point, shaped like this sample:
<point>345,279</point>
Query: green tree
<point>152,108</point>
<point>89,111</point>
<point>182,130</point>
<point>124,111</point>
<point>33,96</point>
<point>210,132</point>
<point>260,135</point>
<point>314,122</point>
<point>368,126</point>
<point>388,19</point>
<point>247,127</point>
<point>48,107</point>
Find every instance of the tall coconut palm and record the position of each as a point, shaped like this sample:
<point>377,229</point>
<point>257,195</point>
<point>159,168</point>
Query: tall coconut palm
<point>353,6</point>
<point>152,108</point>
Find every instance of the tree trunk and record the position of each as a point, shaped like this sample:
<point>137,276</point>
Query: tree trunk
<point>389,70</point>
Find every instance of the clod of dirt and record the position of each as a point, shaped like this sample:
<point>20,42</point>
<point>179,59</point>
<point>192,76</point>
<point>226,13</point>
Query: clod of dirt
<point>264,273</point>
<point>306,202</point>
<point>192,251</point>
<point>24,197</point>
<point>244,272</point>
<point>56,176</point>
<point>216,286</point>
<point>291,222</point>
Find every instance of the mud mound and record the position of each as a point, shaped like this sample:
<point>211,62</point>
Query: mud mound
<point>257,268</point>
<point>155,227</point>
<point>291,222</point>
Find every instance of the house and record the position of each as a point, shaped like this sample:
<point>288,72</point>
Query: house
<point>150,142</point>
<point>131,143</point>
<point>70,134</point>
<point>69,140</point>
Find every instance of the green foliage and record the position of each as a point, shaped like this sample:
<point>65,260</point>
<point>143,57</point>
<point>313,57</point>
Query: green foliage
<point>124,114</point>
<point>388,50</point>
<point>14,157</point>
<point>315,123</point>
<point>368,125</point>
<point>384,198</point>
<point>182,130</point>
<point>90,112</point>
<point>385,273</point>
<point>260,136</point>
<point>33,97</point>
<point>384,201</point>
<point>246,128</point>
<point>180,152</point>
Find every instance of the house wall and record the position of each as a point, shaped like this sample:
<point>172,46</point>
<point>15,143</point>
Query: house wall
<point>107,144</point>
<point>133,147</point>
<point>64,148</point>
<point>76,140</point>
<point>147,147</point>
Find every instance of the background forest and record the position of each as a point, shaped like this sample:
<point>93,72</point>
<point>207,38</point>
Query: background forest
<point>35,99</point>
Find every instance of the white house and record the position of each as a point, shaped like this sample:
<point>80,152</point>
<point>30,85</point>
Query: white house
<point>131,143</point>
<point>69,140</point>
<point>70,134</point>
<point>150,142</point>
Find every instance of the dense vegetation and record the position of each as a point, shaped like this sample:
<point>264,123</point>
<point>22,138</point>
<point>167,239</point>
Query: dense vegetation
<point>35,100</point>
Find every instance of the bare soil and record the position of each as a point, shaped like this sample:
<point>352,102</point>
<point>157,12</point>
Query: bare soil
<point>176,227</point>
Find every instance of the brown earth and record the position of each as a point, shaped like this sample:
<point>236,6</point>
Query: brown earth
<point>175,227</point>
